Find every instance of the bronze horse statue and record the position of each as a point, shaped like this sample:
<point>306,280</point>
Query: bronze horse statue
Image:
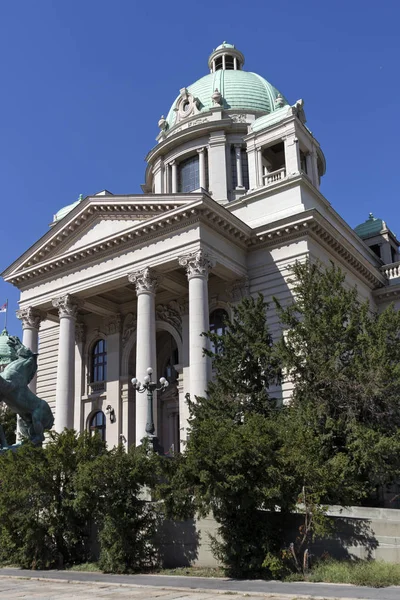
<point>35,414</point>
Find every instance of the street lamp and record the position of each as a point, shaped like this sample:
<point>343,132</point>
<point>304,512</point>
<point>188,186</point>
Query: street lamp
<point>150,387</point>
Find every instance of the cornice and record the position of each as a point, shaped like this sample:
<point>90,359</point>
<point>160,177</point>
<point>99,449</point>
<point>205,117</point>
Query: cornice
<point>203,210</point>
<point>114,207</point>
<point>391,292</point>
<point>312,224</point>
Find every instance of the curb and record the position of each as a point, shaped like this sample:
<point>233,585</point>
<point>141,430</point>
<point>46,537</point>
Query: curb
<point>269,595</point>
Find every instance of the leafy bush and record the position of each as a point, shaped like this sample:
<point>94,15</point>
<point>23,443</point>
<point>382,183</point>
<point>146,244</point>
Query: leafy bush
<point>125,518</point>
<point>52,499</point>
<point>39,526</point>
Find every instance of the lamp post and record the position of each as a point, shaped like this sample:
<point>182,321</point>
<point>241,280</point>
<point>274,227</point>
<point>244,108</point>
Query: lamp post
<point>150,387</point>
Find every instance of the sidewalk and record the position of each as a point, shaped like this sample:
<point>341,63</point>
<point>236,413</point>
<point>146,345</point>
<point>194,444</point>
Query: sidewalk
<point>62,585</point>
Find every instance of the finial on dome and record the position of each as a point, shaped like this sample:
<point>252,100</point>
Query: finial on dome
<point>216,97</point>
<point>371,217</point>
<point>80,198</point>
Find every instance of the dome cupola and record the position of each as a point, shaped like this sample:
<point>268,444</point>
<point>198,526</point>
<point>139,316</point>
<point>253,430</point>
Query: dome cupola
<point>226,57</point>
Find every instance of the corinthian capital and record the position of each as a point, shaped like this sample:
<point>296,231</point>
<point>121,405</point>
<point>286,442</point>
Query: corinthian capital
<point>197,264</point>
<point>67,306</point>
<point>30,317</point>
<point>145,281</point>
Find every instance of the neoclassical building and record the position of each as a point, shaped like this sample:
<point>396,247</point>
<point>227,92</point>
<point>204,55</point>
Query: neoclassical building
<point>121,283</point>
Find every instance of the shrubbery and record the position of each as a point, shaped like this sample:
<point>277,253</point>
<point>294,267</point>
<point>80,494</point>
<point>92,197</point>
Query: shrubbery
<point>54,499</point>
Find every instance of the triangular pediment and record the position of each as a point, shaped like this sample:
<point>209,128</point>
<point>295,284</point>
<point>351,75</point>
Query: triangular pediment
<point>96,229</point>
<point>98,220</point>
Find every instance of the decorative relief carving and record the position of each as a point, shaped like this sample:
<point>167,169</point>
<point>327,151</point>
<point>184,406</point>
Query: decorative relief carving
<point>170,314</point>
<point>129,327</point>
<point>197,122</point>
<point>239,289</point>
<point>67,306</point>
<point>113,325</point>
<point>238,118</point>
<point>145,280</point>
<point>197,264</point>
<point>30,317</point>
<point>186,106</point>
<point>80,332</point>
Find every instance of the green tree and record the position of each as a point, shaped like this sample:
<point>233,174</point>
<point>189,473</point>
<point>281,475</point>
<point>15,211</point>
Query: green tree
<point>124,516</point>
<point>39,525</point>
<point>342,424</point>
<point>230,466</point>
<point>8,421</point>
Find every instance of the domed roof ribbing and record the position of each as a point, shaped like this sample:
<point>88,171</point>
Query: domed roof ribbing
<point>240,90</point>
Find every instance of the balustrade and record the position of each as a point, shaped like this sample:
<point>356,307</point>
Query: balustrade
<point>274,176</point>
<point>392,271</point>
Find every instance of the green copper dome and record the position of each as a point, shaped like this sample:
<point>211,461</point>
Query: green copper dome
<point>370,227</point>
<point>240,90</point>
<point>66,209</point>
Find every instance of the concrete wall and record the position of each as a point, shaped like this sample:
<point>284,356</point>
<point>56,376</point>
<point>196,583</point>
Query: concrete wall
<point>358,531</point>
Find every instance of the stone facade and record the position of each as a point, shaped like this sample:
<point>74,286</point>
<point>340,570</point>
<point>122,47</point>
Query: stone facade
<point>121,283</point>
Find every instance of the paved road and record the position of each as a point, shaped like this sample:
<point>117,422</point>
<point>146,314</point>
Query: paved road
<point>85,586</point>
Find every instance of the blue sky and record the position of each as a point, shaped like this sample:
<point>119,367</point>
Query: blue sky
<point>84,84</point>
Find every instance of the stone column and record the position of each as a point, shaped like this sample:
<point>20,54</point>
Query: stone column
<point>31,318</point>
<point>309,166</point>
<point>67,309</point>
<point>202,168</point>
<point>197,266</point>
<point>217,165</point>
<point>314,163</point>
<point>260,169</point>
<point>174,177</point>
<point>238,153</point>
<point>146,285</point>
<point>292,155</point>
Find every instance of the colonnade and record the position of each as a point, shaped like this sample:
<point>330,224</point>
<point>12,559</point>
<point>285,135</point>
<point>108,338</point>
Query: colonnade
<point>197,265</point>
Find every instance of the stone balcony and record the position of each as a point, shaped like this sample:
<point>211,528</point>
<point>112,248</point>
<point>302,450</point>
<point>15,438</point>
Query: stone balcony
<point>392,271</point>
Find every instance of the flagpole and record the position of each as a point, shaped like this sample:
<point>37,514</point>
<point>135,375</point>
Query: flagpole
<point>5,318</point>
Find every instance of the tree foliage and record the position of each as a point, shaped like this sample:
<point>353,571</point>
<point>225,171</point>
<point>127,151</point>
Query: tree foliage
<point>54,499</point>
<point>344,361</point>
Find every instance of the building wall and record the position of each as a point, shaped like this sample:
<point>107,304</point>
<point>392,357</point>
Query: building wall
<point>47,362</point>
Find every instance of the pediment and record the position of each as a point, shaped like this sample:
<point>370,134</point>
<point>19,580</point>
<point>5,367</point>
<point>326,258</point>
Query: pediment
<point>96,230</point>
<point>94,221</point>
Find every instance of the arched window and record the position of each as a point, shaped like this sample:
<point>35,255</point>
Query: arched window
<point>188,174</point>
<point>99,362</point>
<point>218,319</point>
<point>218,324</point>
<point>97,424</point>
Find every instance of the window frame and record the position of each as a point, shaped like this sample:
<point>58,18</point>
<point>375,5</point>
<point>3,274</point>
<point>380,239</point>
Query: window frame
<point>98,361</point>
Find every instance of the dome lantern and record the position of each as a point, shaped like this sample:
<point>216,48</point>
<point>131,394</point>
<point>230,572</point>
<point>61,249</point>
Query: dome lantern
<point>226,57</point>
